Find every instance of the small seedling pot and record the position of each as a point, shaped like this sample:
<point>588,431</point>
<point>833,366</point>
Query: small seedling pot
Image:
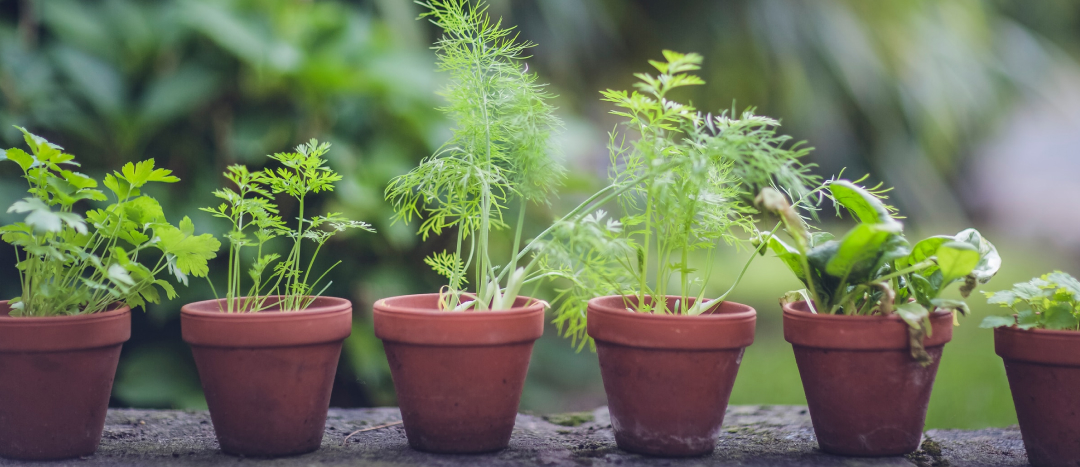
<point>458,375</point>
<point>267,375</point>
<point>867,395</point>
<point>668,377</point>
<point>56,374</point>
<point>1044,371</point>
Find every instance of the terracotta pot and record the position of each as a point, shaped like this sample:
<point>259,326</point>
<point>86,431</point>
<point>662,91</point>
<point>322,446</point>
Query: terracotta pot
<point>56,374</point>
<point>458,375</point>
<point>668,377</point>
<point>267,375</point>
<point>1044,371</point>
<point>867,395</point>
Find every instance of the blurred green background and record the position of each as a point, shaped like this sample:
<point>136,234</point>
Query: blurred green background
<point>968,108</point>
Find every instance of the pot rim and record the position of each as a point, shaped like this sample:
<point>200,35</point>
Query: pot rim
<point>610,324</point>
<point>64,333</point>
<point>858,332</point>
<point>387,305</point>
<point>429,326</point>
<point>6,320</point>
<point>747,313</point>
<point>328,321</point>
<point>210,309</point>
<point>1042,346</point>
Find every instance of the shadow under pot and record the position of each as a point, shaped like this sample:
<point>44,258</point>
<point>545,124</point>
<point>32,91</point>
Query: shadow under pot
<point>267,375</point>
<point>1044,371</point>
<point>56,375</point>
<point>458,375</point>
<point>866,394</point>
<point>668,377</point>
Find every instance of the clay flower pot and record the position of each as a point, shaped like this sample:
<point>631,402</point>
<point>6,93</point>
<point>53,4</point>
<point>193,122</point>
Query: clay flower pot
<point>458,375</point>
<point>267,375</point>
<point>56,374</point>
<point>668,377</point>
<point>867,395</point>
<point>1044,371</point>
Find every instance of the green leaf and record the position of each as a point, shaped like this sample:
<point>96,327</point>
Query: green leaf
<point>44,219</point>
<point>143,172</point>
<point>191,252</point>
<point>143,210</point>
<point>1066,282</point>
<point>1027,319</point>
<point>946,304</point>
<point>860,249</point>
<point>789,255</point>
<point>923,250</point>
<point>120,186</point>
<point>1059,316</point>
<point>989,259</point>
<point>997,321</point>
<point>78,180</point>
<point>913,314</point>
<point>20,157</point>
<point>1001,297</point>
<point>956,260</point>
<point>861,203</point>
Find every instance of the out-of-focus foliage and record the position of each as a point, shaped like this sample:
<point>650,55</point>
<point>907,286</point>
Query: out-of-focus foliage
<point>200,85</point>
<point>902,89</point>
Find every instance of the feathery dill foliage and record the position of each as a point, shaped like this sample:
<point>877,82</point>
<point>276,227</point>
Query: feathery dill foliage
<point>255,220</point>
<point>70,264</point>
<point>686,185</point>
<point>499,155</point>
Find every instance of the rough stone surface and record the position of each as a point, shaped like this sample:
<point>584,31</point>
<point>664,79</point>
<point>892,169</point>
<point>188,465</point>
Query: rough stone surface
<point>752,435</point>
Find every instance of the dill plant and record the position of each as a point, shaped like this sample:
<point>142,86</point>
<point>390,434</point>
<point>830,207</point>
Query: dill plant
<point>702,198</point>
<point>276,281</point>
<point>72,264</point>
<point>499,155</point>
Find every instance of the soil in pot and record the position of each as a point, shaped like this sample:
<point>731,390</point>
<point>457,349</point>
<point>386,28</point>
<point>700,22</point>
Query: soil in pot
<point>867,396</point>
<point>267,376</point>
<point>668,377</point>
<point>56,374</point>
<point>1044,371</point>
<point>458,375</point>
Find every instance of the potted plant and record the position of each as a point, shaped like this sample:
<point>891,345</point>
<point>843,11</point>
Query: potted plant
<point>669,354</point>
<point>458,359</point>
<point>267,354</point>
<point>79,277</point>
<point>869,328</point>
<point>1040,346</point>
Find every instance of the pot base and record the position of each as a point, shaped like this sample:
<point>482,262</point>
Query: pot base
<point>866,403</point>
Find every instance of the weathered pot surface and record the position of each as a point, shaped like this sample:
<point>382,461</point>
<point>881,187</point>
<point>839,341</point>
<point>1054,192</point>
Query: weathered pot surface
<point>458,375</point>
<point>867,396</point>
<point>1043,368</point>
<point>56,375</point>
<point>267,376</point>
<point>668,377</point>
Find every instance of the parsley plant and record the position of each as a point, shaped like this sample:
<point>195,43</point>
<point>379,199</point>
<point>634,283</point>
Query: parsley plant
<point>70,264</point>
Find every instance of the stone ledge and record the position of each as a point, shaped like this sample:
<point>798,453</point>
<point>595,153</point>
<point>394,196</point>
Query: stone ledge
<point>752,435</point>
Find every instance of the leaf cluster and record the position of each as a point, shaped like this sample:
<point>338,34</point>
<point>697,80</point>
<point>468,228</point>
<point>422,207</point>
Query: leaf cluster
<point>69,263</point>
<point>255,220</point>
<point>499,154</point>
<point>1048,302</point>
<point>685,181</point>
<point>873,269</point>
